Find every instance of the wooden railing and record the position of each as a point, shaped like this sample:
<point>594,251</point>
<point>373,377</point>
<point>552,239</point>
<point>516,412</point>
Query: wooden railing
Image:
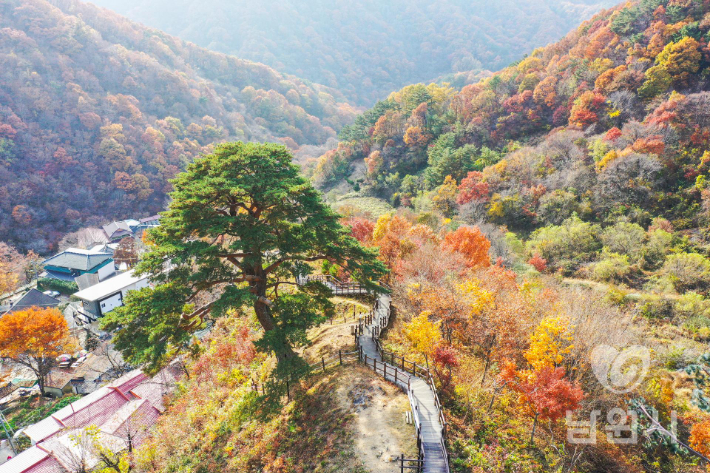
<point>379,320</point>
<point>338,287</point>
<point>283,387</point>
<point>411,463</point>
<point>416,370</point>
<point>386,370</point>
<point>397,370</point>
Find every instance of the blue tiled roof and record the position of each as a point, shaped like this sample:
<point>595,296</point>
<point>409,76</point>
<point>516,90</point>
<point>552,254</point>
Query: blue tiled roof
<point>78,261</point>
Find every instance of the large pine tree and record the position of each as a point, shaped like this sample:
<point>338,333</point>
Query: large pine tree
<point>241,226</point>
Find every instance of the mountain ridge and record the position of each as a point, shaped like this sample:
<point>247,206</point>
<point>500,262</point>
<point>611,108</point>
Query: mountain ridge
<point>558,133</point>
<point>368,49</point>
<point>104,112</point>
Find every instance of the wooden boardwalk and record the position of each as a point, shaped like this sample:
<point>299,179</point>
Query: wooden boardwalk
<point>416,380</point>
<point>421,395</point>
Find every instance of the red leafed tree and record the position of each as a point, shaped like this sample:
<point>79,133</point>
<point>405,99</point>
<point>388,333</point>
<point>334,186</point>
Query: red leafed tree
<point>538,262</point>
<point>444,358</point>
<point>472,188</point>
<point>547,394</point>
<point>471,243</point>
<point>361,228</point>
<point>585,109</point>
<point>7,130</point>
<point>612,134</point>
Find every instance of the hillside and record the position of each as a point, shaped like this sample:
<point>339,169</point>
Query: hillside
<point>366,49</point>
<point>609,123</point>
<point>509,277</point>
<point>97,113</point>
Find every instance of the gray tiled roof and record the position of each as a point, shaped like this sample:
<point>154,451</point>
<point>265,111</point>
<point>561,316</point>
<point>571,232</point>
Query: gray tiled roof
<point>79,261</point>
<point>114,227</point>
<point>152,218</point>
<point>34,298</point>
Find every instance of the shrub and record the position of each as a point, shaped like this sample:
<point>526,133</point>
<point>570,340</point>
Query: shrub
<point>617,296</point>
<point>687,272</point>
<point>51,284</point>
<point>653,253</point>
<point>515,244</point>
<point>675,358</point>
<point>613,267</point>
<point>698,326</point>
<point>538,263</point>
<point>692,305</point>
<point>657,307</point>
<point>574,240</point>
<point>624,238</point>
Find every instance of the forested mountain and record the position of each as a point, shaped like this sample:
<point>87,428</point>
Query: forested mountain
<point>610,123</point>
<point>366,49</point>
<point>97,113</point>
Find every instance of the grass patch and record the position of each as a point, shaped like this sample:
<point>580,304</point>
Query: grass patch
<point>369,205</point>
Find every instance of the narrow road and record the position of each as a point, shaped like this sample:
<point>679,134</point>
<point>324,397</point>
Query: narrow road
<point>420,392</point>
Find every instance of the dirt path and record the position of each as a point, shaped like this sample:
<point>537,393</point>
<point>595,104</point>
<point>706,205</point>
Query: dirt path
<point>331,336</point>
<point>600,286</point>
<point>380,432</point>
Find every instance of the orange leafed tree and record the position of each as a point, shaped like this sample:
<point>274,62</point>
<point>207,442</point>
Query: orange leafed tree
<point>700,437</point>
<point>34,338</point>
<point>471,243</point>
<point>8,277</point>
<point>538,262</point>
<point>548,395</point>
<point>586,109</point>
<point>389,234</point>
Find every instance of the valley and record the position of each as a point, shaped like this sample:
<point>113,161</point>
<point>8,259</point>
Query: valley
<point>355,237</point>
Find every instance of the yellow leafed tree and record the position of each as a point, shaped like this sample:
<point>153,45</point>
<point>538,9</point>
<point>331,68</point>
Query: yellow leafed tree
<point>549,343</point>
<point>423,334</point>
<point>477,298</point>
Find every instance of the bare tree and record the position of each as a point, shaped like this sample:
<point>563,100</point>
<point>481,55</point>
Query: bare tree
<point>88,237</point>
<point>126,253</point>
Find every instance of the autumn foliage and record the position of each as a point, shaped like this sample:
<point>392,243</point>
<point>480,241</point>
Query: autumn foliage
<point>472,188</point>
<point>112,114</point>
<point>548,395</point>
<point>537,262</point>
<point>471,243</point>
<point>360,228</point>
<point>700,437</point>
<point>34,338</point>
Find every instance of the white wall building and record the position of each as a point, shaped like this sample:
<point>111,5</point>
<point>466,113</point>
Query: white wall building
<point>109,294</point>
